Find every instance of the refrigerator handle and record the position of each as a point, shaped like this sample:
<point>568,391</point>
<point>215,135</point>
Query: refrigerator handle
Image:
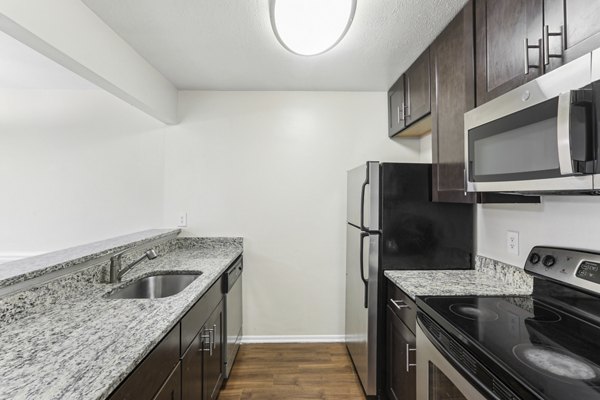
<point>362,201</point>
<point>363,235</point>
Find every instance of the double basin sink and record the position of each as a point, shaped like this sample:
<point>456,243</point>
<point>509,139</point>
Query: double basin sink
<point>154,286</point>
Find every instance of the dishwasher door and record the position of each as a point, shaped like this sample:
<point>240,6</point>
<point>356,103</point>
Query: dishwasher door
<point>233,315</point>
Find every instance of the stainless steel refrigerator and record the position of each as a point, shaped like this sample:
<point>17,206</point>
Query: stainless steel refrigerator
<point>392,224</point>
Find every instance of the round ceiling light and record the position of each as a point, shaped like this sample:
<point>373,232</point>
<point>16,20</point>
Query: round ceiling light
<point>311,27</point>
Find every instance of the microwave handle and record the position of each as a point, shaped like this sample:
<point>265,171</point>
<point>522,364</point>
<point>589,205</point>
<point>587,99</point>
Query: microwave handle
<point>563,122</point>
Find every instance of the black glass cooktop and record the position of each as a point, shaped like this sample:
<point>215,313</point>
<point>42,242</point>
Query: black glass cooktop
<point>537,349</point>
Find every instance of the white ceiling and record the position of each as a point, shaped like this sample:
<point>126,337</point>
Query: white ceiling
<point>21,67</point>
<point>229,44</point>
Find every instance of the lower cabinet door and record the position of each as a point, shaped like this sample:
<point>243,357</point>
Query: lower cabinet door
<point>213,358</point>
<point>401,357</point>
<point>192,369</point>
<point>171,390</point>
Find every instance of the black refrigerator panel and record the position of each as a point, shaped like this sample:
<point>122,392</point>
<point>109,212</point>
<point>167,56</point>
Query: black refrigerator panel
<point>417,233</point>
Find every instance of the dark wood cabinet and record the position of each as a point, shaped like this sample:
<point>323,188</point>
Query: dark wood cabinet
<point>401,356</point>
<point>453,94</point>
<point>400,347</point>
<point>508,45</point>
<point>571,29</point>
<point>417,89</point>
<point>171,390</point>
<point>409,100</point>
<point>213,358</point>
<point>202,361</point>
<point>396,107</point>
<point>148,377</point>
<point>192,366</point>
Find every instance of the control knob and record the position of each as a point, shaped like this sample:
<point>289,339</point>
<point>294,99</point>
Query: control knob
<point>534,258</point>
<point>549,261</point>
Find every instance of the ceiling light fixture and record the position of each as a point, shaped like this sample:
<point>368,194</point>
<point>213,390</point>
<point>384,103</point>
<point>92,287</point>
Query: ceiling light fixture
<point>311,27</point>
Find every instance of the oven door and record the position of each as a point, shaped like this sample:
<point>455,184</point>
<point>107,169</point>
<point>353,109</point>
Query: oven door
<point>537,138</point>
<point>437,379</point>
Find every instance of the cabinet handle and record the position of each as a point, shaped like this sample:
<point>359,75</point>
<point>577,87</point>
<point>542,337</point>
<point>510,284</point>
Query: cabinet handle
<point>407,103</point>
<point>547,35</point>
<point>465,180</point>
<point>526,47</point>
<point>399,304</point>
<point>214,334</point>
<point>398,115</point>
<point>408,364</point>
<point>210,341</point>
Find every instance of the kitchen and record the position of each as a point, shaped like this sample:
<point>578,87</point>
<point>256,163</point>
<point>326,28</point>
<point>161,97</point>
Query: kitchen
<point>192,130</point>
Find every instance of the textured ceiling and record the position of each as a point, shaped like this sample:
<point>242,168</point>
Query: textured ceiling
<point>229,44</point>
<point>23,68</point>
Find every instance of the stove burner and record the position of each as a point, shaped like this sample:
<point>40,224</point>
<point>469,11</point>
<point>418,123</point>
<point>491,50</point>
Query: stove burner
<point>471,312</point>
<point>555,362</point>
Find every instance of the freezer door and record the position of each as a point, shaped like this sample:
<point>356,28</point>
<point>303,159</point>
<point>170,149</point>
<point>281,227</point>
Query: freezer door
<point>361,305</point>
<point>363,196</point>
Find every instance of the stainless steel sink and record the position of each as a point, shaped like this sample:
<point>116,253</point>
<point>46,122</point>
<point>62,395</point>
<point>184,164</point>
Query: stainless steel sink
<point>154,286</point>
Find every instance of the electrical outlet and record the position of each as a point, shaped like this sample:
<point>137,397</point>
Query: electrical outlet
<point>182,220</point>
<point>512,242</point>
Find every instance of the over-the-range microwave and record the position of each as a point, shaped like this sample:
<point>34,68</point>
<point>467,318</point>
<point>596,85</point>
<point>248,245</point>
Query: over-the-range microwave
<point>540,138</point>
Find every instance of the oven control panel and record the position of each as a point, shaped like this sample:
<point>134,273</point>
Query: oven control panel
<point>574,267</point>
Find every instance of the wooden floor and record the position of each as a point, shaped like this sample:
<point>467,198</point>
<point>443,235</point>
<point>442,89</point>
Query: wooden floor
<point>292,371</point>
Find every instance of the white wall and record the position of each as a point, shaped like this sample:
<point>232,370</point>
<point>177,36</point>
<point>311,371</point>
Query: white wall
<point>75,166</point>
<point>568,221</point>
<point>271,166</point>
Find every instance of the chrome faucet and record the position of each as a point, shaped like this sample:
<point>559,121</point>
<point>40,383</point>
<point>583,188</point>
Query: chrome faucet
<point>116,270</point>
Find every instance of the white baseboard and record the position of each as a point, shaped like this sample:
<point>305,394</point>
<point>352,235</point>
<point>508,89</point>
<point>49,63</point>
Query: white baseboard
<point>294,339</point>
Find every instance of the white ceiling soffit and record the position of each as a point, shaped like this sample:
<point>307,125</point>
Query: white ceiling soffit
<point>21,67</point>
<point>67,32</point>
<point>229,44</point>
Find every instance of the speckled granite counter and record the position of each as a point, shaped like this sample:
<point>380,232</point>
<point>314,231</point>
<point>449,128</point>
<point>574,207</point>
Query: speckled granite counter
<point>489,278</point>
<point>75,344</point>
<point>31,267</point>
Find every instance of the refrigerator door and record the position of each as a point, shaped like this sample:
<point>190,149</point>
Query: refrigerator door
<point>357,315</point>
<point>363,196</point>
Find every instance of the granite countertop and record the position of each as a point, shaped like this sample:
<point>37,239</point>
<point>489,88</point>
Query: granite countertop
<point>489,278</point>
<point>31,267</point>
<point>82,346</point>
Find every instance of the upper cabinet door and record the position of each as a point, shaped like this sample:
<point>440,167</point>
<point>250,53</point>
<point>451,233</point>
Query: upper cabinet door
<point>508,45</point>
<point>453,93</point>
<point>396,107</point>
<point>571,29</point>
<point>417,88</point>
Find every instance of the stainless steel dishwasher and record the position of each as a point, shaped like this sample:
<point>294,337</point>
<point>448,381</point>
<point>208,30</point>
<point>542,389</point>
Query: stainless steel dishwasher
<point>232,287</point>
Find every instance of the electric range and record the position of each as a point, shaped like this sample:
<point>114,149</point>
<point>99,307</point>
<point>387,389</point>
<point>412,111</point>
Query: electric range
<point>543,346</point>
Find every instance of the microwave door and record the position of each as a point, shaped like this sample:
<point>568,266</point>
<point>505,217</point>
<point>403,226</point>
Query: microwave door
<point>544,148</point>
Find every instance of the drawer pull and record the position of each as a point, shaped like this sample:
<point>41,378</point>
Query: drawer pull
<point>408,364</point>
<point>210,341</point>
<point>399,304</point>
<point>214,332</point>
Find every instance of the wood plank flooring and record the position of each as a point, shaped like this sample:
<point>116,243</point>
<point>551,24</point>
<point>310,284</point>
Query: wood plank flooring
<point>292,371</point>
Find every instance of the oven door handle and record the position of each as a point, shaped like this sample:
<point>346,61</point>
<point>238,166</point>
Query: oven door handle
<point>563,138</point>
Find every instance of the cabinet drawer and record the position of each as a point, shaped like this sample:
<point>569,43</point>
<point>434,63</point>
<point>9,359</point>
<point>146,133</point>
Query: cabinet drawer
<point>402,305</point>
<point>146,380</point>
<point>198,314</point>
